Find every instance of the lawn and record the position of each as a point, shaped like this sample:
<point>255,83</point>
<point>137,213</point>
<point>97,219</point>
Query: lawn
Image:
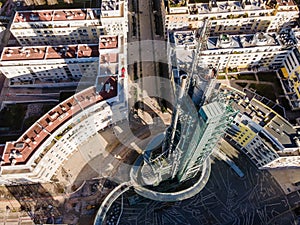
<point>12,116</point>
<point>221,77</point>
<point>271,77</point>
<point>267,76</point>
<point>264,90</point>
<point>242,84</point>
<point>246,76</point>
<point>285,103</point>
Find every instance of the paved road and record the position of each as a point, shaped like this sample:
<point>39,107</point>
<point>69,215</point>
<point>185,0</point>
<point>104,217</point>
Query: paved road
<point>145,49</point>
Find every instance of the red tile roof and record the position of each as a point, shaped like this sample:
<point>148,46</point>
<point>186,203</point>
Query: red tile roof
<point>109,57</point>
<point>61,52</point>
<point>106,42</point>
<point>18,53</point>
<point>88,51</point>
<point>50,15</point>
<point>50,52</point>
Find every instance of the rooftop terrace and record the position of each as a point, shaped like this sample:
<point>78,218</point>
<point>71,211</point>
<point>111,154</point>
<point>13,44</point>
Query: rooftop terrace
<point>58,52</point>
<point>107,42</point>
<point>242,41</point>
<point>110,5</point>
<point>56,15</point>
<point>281,130</point>
<point>184,38</point>
<point>49,52</point>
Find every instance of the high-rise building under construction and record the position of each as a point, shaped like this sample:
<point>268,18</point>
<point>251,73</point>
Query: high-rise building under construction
<point>189,140</point>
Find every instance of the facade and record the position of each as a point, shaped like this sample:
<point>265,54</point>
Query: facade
<point>69,27</point>
<point>215,118</point>
<point>44,148</point>
<point>290,78</point>
<point>49,64</point>
<point>61,64</point>
<point>2,30</point>
<point>225,52</point>
<point>232,17</point>
<point>262,133</point>
<point>58,47</point>
<point>50,141</point>
<point>47,144</point>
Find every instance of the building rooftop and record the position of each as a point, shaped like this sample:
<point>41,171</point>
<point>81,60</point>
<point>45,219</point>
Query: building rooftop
<point>59,52</point>
<point>87,51</point>
<point>223,41</point>
<point>23,53</point>
<point>213,110</point>
<point>107,42</point>
<point>285,3</point>
<point>108,58</point>
<point>109,5</point>
<point>225,6</point>
<point>50,52</point>
<point>184,38</point>
<point>279,128</point>
<point>214,6</point>
<point>177,3</point>
<point>282,130</point>
<point>242,41</point>
<point>19,152</point>
<point>56,15</point>
<point>259,39</point>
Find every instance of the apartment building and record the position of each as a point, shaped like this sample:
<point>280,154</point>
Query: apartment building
<point>47,144</point>
<point>70,26</point>
<point>44,148</point>
<point>239,52</point>
<point>290,78</point>
<point>39,65</point>
<point>261,133</point>
<point>36,64</point>
<point>39,153</point>
<point>58,47</point>
<point>233,17</point>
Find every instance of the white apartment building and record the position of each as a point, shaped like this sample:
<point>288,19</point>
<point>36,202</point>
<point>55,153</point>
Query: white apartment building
<point>70,26</point>
<point>225,52</point>
<point>33,65</point>
<point>63,45</point>
<point>246,16</point>
<point>39,65</point>
<point>290,78</point>
<point>44,148</point>
<point>49,142</point>
<point>261,133</point>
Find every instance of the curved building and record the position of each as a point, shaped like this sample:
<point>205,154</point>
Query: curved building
<point>49,142</point>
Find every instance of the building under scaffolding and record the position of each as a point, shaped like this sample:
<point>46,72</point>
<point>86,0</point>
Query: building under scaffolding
<point>189,140</point>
